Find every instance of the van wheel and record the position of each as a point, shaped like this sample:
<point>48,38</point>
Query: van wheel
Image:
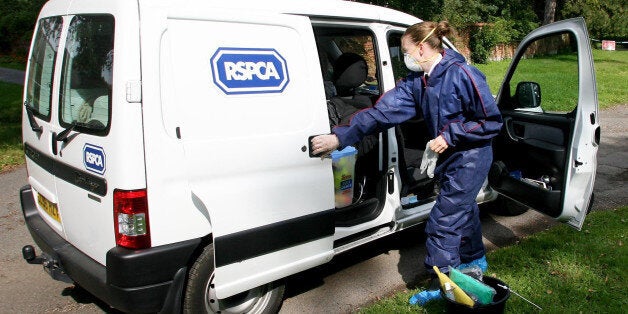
<point>200,295</point>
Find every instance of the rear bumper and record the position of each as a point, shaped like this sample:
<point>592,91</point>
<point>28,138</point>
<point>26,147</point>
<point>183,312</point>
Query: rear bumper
<point>148,280</point>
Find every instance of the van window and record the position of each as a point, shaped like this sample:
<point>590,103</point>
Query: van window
<point>332,43</point>
<point>546,61</point>
<point>41,66</point>
<point>396,55</point>
<point>87,72</point>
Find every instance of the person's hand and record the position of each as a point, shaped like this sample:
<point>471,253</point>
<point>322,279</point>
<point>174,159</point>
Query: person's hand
<point>323,145</point>
<point>439,144</point>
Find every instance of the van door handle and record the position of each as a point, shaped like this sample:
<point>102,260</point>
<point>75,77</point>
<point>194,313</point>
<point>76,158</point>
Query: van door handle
<point>309,145</point>
<point>54,143</point>
<point>63,136</point>
<point>508,125</point>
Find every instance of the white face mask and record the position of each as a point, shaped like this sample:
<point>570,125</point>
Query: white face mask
<point>411,63</point>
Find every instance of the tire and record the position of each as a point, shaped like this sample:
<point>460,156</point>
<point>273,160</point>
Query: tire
<point>200,296</point>
<point>504,206</point>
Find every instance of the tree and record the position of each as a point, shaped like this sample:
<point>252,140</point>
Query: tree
<point>550,11</point>
<point>502,21</point>
<point>426,10</point>
<point>605,19</point>
<point>17,21</point>
<point>462,13</point>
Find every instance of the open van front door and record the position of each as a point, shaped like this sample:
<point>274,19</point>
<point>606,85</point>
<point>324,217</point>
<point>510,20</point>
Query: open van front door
<point>545,156</point>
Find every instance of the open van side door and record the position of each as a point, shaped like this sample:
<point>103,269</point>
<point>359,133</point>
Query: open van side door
<point>545,156</point>
<point>246,91</point>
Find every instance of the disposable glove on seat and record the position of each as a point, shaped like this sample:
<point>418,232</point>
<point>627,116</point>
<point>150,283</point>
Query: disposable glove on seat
<point>428,162</point>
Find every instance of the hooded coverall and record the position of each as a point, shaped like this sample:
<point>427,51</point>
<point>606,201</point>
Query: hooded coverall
<point>456,103</point>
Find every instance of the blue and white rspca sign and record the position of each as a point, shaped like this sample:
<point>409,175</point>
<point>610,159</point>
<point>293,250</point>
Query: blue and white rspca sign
<point>249,70</point>
<point>94,158</point>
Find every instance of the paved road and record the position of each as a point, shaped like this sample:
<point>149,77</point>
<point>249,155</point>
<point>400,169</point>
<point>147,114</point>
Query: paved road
<point>11,76</point>
<point>350,281</point>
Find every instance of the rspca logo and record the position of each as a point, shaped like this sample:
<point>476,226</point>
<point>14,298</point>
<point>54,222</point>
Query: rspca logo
<point>94,158</point>
<point>249,70</point>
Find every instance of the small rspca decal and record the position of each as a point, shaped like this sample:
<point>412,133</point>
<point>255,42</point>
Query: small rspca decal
<point>94,158</point>
<point>249,70</point>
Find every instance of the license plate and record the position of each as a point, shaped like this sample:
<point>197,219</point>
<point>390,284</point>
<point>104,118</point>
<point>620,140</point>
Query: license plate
<point>49,207</point>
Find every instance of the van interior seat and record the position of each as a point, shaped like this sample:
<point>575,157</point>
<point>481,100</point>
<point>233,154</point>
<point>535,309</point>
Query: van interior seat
<point>350,72</point>
<point>86,104</point>
<point>100,111</point>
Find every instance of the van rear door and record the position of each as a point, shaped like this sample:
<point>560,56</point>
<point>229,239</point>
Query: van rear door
<point>86,148</point>
<point>546,154</point>
<point>37,122</point>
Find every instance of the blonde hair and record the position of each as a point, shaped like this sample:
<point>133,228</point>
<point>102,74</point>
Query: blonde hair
<point>419,31</point>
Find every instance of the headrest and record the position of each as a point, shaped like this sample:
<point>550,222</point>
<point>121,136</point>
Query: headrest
<point>350,71</point>
<point>101,102</point>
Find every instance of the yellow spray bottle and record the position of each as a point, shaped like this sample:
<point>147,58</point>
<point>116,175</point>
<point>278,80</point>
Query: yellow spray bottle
<point>459,295</point>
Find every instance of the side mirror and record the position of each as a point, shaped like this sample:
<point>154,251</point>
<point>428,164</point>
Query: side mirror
<point>528,95</point>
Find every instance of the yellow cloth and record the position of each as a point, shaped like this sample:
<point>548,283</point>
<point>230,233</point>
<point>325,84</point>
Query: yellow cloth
<point>460,296</point>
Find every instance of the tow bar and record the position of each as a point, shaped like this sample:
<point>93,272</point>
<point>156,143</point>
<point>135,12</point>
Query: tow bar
<point>51,265</point>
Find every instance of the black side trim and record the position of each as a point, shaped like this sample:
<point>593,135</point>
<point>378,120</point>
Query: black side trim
<point>262,240</point>
<point>39,158</point>
<point>361,234</point>
<point>78,177</point>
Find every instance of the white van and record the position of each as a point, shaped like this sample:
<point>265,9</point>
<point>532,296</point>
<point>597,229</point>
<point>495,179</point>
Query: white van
<point>167,148</point>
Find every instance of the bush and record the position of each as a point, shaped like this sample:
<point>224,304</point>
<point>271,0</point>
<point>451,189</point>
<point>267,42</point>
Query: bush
<point>481,42</point>
<point>17,21</point>
<point>605,19</point>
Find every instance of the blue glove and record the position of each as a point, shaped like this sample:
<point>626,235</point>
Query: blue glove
<point>425,296</point>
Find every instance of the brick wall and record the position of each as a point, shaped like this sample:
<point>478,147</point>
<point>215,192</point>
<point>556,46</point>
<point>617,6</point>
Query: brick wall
<point>500,52</point>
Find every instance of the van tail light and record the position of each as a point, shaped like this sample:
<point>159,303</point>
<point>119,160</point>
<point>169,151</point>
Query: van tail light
<point>130,219</point>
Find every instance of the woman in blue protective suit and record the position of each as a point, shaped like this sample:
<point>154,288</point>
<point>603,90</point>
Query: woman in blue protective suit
<point>462,118</point>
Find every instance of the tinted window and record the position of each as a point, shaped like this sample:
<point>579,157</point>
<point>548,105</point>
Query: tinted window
<point>396,55</point>
<point>87,73</point>
<point>41,66</point>
<point>332,43</point>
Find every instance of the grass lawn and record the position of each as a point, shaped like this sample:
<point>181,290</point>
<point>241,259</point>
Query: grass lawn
<point>11,153</point>
<point>12,63</point>
<point>611,71</point>
<point>561,270</point>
